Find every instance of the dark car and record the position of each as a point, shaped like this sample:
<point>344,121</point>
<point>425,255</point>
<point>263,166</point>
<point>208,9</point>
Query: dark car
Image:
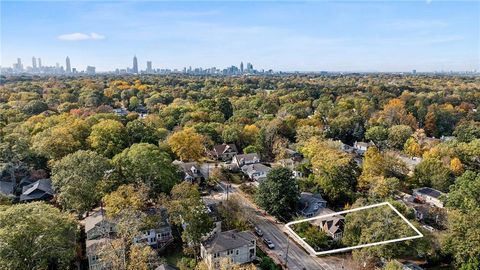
<point>269,243</point>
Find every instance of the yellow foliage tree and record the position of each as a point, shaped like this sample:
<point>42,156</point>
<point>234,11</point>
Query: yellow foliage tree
<point>412,148</point>
<point>456,166</point>
<point>187,144</point>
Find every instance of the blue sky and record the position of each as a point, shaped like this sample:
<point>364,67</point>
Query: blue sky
<point>290,36</point>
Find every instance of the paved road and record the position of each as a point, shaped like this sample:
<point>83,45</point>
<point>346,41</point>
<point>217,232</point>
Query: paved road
<point>298,258</point>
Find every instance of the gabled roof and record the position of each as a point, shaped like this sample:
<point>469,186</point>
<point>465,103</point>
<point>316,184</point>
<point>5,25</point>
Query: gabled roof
<point>333,224</point>
<point>37,190</point>
<point>222,148</point>
<point>252,168</point>
<point>310,203</point>
<point>247,157</point>
<point>223,241</point>
<point>95,217</point>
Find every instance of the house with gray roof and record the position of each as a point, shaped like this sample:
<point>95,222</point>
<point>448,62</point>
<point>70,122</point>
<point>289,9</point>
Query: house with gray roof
<point>239,247</point>
<point>191,170</point>
<point>257,172</point>
<point>245,159</point>
<point>333,226</point>
<point>429,196</point>
<point>310,204</point>
<point>40,190</point>
<point>224,151</point>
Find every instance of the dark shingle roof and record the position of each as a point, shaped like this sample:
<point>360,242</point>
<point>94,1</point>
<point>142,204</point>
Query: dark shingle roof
<point>430,192</point>
<point>41,189</point>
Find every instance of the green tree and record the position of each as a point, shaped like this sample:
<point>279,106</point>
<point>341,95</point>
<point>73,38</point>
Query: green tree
<point>186,208</point>
<point>35,107</point>
<point>377,134</point>
<point>225,106</point>
<point>279,193</point>
<point>145,163</point>
<point>398,135</point>
<point>467,131</point>
<point>465,193</point>
<point>140,132</point>
<point>432,173</point>
<point>36,236</point>
<point>108,137</point>
<point>76,179</point>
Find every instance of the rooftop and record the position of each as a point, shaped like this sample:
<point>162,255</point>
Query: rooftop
<point>429,191</point>
<point>228,240</point>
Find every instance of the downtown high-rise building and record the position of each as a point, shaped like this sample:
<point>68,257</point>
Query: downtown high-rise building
<point>241,67</point>
<point>34,62</point>
<point>39,62</point>
<point>67,65</point>
<point>149,67</point>
<point>135,65</point>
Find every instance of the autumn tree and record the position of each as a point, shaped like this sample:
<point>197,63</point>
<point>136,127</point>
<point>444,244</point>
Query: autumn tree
<point>187,144</point>
<point>335,172</point>
<point>108,137</point>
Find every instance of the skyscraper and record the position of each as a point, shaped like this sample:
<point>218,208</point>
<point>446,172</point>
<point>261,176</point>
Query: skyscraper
<point>39,62</point>
<point>67,65</point>
<point>135,65</point>
<point>34,62</point>
<point>149,67</point>
<point>241,67</point>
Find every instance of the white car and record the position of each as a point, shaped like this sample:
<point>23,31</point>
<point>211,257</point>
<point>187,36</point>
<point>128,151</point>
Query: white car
<point>269,243</point>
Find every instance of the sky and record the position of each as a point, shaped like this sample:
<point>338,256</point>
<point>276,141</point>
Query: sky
<point>375,36</point>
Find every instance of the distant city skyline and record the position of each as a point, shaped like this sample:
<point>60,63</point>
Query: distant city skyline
<point>285,36</point>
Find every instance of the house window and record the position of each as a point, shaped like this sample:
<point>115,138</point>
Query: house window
<point>236,252</point>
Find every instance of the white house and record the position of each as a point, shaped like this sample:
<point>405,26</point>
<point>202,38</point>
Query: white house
<point>257,172</point>
<point>428,195</point>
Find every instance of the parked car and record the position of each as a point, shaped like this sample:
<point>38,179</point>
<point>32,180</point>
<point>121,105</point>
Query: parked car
<point>429,228</point>
<point>269,243</point>
<point>258,232</point>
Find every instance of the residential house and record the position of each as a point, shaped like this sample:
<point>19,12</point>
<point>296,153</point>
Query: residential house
<point>224,151</point>
<point>99,231</point>
<point>333,226</point>
<point>311,204</point>
<point>294,155</point>
<point>239,247</point>
<point>120,111</point>
<point>191,170</point>
<point>257,172</point>
<point>160,236</point>
<point>362,147</point>
<point>428,195</point>
<point>212,210</point>
<point>245,159</point>
<point>40,190</point>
